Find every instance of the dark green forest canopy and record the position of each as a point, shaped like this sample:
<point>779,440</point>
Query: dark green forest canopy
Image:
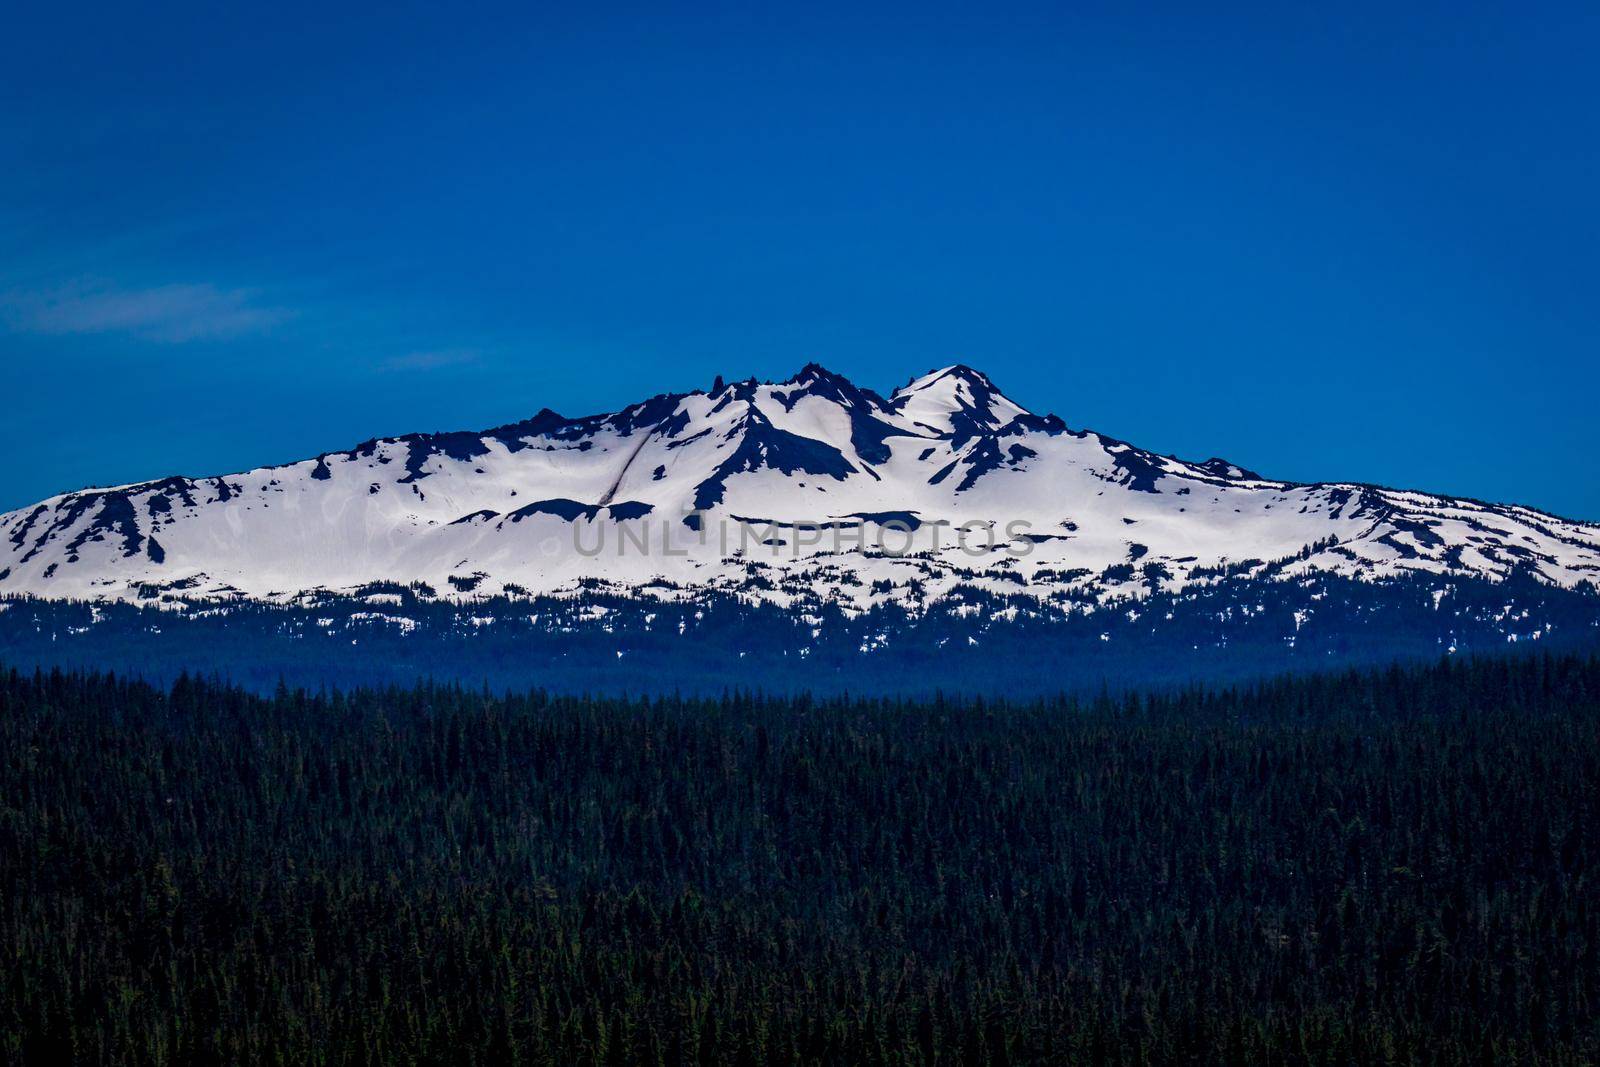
<point>1387,867</point>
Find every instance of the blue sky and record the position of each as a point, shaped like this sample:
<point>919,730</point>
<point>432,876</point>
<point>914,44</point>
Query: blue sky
<point>1335,243</point>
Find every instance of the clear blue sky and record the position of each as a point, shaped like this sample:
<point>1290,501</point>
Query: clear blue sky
<point>1324,241</point>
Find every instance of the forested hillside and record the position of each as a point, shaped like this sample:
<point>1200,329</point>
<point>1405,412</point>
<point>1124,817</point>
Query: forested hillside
<point>1232,629</point>
<point>1391,867</point>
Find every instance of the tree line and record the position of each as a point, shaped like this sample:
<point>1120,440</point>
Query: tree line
<point>1379,867</point>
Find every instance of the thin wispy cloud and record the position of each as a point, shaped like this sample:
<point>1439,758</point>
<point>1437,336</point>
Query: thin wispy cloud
<point>167,314</point>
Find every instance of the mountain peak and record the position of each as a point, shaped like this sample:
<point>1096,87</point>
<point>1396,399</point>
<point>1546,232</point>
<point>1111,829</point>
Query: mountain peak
<point>955,401</point>
<point>1224,469</point>
<point>969,374</point>
<point>954,374</point>
<point>814,372</point>
<point>816,380</point>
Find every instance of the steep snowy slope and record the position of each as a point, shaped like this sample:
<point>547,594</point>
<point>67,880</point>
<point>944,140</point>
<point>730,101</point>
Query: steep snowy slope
<point>805,489</point>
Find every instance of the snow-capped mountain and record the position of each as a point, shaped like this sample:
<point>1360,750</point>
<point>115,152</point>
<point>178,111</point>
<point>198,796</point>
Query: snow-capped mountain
<point>811,488</point>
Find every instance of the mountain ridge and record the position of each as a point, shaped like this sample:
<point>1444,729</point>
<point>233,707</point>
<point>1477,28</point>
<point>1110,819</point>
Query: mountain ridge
<point>520,506</point>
